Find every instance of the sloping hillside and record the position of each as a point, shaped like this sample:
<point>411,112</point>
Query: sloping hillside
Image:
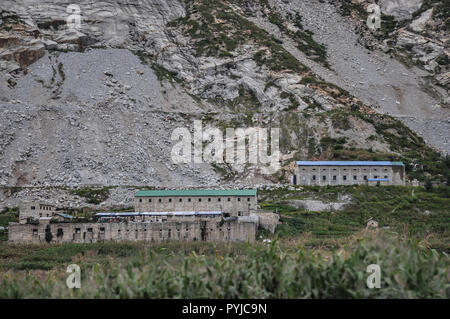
<point>98,106</point>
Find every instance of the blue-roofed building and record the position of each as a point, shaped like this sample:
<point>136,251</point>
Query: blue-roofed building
<point>325,173</point>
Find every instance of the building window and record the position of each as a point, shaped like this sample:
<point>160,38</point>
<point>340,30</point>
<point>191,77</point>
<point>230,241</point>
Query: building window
<point>199,199</point>
<point>33,207</point>
<point>159,200</point>
<point>77,230</point>
<point>170,200</point>
<point>218,199</point>
<point>140,200</point>
<point>180,200</point>
<point>239,213</point>
<point>345,177</point>
<point>149,200</point>
<point>376,176</point>
<point>355,177</point>
<point>365,177</point>
<point>239,199</point>
<point>59,232</point>
<point>324,178</point>
<point>189,200</point>
<point>229,199</point>
<point>35,232</point>
<point>209,199</point>
<point>334,177</point>
<point>102,229</point>
<point>89,230</point>
<point>385,176</point>
<point>248,199</point>
<point>314,177</point>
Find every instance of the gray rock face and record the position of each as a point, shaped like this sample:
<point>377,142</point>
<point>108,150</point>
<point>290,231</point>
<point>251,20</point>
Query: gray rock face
<point>98,105</point>
<point>425,18</point>
<point>316,205</point>
<point>400,9</point>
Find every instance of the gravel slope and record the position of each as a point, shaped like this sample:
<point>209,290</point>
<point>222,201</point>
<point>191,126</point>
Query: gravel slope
<point>372,76</point>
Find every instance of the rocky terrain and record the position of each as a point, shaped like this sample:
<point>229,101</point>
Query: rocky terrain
<point>98,105</point>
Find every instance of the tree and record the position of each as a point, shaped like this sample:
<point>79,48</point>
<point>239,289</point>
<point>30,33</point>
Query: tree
<point>48,234</point>
<point>428,185</point>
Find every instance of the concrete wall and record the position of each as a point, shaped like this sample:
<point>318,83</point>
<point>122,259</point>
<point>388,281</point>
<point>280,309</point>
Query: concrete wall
<point>201,230</point>
<point>348,175</point>
<point>267,220</point>
<point>35,210</point>
<point>233,205</point>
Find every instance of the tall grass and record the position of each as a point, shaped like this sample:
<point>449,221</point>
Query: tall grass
<point>408,270</point>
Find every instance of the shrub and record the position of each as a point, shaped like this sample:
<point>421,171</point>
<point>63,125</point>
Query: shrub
<point>48,234</point>
<point>408,271</point>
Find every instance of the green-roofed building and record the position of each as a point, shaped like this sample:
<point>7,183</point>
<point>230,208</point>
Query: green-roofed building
<point>231,202</point>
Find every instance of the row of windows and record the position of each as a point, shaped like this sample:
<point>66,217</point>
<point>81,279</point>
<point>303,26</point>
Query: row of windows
<point>102,230</point>
<point>41,207</point>
<point>355,177</point>
<point>345,169</point>
<point>160,200</point>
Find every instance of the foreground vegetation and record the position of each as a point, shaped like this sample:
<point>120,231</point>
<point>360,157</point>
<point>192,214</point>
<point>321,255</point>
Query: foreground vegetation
<point>313,254</point>
<point>206,270</point>
<point>421,213</point>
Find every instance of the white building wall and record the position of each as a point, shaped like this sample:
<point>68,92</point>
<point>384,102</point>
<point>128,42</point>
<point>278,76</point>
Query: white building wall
<point>346,175</point>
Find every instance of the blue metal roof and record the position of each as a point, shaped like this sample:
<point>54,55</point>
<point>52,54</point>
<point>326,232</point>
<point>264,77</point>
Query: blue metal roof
<point>378,179</point>
<point>64,215</point>
<point>348,163</point>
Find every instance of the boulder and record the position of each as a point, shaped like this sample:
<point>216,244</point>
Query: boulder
<point>419,24</point>
<point>400,9</point>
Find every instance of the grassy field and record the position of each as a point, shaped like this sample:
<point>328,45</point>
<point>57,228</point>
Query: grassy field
<point>207,270</point>
<point>401,209</point>
<point>313,254</point>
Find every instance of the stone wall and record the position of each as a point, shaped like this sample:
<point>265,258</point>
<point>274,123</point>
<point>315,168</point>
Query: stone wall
<point>35,210</point>
<point>233,205</point>
<point>267,220</point>
<point>201,230</point>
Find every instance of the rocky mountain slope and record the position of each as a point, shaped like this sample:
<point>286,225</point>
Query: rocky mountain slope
<point>98,105</point>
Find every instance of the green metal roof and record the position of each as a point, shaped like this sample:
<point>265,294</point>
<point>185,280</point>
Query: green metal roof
<point>197,192</point>
<point>398,164</point>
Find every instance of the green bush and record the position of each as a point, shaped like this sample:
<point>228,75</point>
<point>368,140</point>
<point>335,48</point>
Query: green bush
<point>407,271</point>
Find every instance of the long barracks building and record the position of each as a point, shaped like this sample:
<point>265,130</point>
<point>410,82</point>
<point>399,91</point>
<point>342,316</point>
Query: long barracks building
<point>324,173</point>
<point>230,202</point>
